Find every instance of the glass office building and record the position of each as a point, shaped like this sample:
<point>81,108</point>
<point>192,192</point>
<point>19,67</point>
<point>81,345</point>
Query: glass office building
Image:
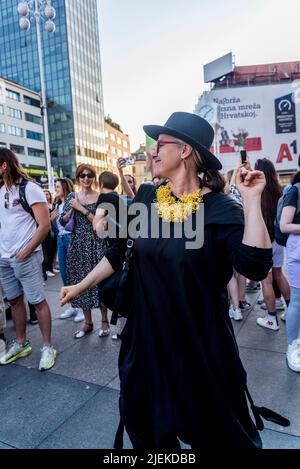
<point>73,78</point>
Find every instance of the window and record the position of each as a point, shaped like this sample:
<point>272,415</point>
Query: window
<point>17,149</point>
<point>125,144</point>
<point>36,152</point>
<point>16,113</point>
<point>113,137</point>
<point>34,135</point>
<point>2,128</point>
<point>17,131</point>
<point>119,140</point>
<point>33,118</point>
<point>31,101</point>
<point>12,95</point>
<point>1,109</point>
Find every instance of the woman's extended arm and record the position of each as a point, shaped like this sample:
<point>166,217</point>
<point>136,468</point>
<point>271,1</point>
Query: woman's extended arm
<point>99,273</point>
<point>251,185</point>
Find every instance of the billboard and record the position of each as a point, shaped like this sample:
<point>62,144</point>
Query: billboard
<point>218,68</point>
<point>264,120</point>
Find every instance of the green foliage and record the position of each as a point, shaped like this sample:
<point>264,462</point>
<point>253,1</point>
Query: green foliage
<point>115,125</point>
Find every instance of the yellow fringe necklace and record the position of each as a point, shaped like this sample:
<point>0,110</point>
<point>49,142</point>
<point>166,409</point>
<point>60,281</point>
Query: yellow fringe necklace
<point>176,210</point>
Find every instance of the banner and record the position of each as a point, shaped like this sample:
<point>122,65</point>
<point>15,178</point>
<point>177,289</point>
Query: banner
<point>259,119</point>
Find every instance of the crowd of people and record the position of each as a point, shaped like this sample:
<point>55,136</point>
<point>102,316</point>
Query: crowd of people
<point>175,291</point>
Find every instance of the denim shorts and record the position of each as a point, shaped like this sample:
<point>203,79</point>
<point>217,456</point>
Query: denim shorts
<point>18,277</point>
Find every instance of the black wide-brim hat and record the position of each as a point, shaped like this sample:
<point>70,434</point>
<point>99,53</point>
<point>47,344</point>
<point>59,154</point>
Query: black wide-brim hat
<point>191,129</point>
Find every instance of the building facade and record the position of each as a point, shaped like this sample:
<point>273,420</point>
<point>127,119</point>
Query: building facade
<point>117,146</point>
<point>256,108</point>
<point>21,127</point>
<point>139,167</point>
<point>73,79</point>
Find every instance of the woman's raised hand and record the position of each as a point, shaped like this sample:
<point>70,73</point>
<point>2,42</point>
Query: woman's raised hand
<point>121,163</point>
<point>76,205</point>
<point>250,183</point>
<point>67,294</point>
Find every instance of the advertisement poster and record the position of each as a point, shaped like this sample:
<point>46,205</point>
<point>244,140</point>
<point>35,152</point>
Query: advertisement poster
<point>263,120</point>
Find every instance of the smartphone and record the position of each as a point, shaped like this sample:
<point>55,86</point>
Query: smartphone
<point>243,156</point>
<point>129,160</point>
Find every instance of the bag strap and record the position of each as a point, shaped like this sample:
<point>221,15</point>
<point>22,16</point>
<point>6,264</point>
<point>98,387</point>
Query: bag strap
<point>265,413</point>
<point>124,273</point>
<point>23,200</point>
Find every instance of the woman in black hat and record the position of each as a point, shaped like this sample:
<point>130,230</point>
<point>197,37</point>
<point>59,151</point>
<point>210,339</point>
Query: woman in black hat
<point>180,372</point>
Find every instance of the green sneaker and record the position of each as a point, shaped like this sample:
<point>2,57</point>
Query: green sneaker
<point>16,351</point>
<point>48,358</point>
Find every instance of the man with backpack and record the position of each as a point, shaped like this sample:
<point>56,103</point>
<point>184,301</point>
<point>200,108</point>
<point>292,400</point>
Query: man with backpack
<point>24,223</point>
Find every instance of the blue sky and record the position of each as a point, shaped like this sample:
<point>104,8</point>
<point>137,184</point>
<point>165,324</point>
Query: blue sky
<point>153,51</point>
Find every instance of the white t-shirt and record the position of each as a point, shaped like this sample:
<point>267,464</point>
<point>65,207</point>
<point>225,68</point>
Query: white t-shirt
<point>16,225</point>
<point>60,227</point>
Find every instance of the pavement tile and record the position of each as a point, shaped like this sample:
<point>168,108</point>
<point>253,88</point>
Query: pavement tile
<point>37,404</point>
<point>278,440</point>
<point>4,446</point>
<point>115,383</point>
<point>272,384</point>
<point>10,375</point>
<point>92,426</point>
<point>254,336</point>
<point>90,359</point>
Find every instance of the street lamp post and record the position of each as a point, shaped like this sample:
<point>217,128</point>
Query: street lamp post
<point>40,9</point>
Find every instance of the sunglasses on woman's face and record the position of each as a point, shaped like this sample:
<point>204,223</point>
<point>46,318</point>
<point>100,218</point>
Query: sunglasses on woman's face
<point>86,175</point>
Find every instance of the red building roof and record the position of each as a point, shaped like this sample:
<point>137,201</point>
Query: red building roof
<point>261,74</point>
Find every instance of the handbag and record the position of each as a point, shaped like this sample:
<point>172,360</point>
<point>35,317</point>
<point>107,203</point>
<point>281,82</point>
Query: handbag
<point>115,292</point>
<point>70,225</point>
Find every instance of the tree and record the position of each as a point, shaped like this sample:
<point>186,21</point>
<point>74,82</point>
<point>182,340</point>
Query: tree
<point>115,125</point>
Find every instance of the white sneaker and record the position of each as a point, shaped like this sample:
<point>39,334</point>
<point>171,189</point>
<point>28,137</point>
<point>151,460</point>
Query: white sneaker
<point>56,271</point>
<point>279,305</point>
<point>50,274</point>
<point>283,316</point>
<point>48,358</point>
<point>269,322</point>
<point>293,356</point>
<point>235,313</point>
<point>79,315</point>
<point>68,313</point>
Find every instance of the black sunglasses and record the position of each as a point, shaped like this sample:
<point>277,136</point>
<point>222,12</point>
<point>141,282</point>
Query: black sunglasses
<point>86,175</point>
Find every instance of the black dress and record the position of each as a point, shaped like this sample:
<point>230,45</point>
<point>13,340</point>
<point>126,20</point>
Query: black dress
<point>180,371</point>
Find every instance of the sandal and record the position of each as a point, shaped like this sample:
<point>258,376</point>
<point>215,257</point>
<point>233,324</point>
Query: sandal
<point>88,329</point>
<point>104,332</point>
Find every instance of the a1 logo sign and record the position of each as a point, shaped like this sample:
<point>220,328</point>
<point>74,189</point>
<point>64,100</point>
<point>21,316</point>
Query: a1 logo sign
<point>285,153</point>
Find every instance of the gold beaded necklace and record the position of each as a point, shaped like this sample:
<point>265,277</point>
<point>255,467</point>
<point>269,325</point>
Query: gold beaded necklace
<point>176,210</point>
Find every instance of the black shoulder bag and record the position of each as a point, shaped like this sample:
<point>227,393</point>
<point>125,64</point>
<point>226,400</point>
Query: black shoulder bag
<point>115,291</point>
